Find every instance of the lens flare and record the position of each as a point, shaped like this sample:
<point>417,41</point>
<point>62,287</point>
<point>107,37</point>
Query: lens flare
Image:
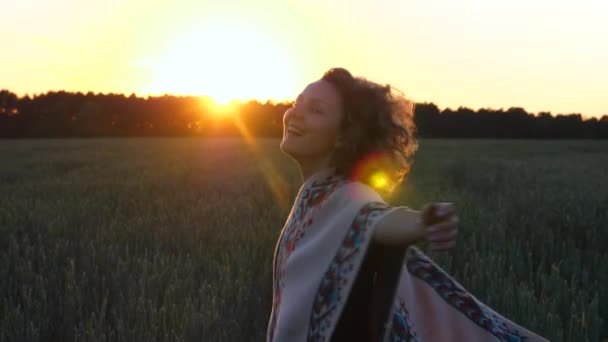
<point>379,180</point>
<point>278,186</point>
<point>375,169</point>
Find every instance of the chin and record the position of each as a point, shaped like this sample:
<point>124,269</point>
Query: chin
<point>284,146</point>
<point>287,147</point>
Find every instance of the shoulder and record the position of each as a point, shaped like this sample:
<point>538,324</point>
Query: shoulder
<point>368,205</point>
<point>353,197</point>
<point>358,192</point>
<point>336,193</point>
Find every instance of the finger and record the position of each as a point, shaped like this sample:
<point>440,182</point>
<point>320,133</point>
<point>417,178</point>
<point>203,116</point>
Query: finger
<point>446,214</point>
<point>445,210</point>
<point>429,213</point>
<point>444,225</point>
<point>443,245</point>
<point>450,219</point>
<point>443,236</point>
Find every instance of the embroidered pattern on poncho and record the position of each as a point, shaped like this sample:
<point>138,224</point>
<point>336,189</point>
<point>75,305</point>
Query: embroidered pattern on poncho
<point>295,230</point>
<point>402,329</point>
<point>423,268</point>
<point>331,289</point>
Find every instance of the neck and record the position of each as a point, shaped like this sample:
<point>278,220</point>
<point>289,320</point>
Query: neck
<point>310,167</point>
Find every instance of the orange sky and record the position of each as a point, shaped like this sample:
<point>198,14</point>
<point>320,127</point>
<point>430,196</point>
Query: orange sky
<point>541,55</point>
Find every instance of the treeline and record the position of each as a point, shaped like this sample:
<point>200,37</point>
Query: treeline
<point>68,114</point>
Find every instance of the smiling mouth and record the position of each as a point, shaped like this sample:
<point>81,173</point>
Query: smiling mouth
<point>294,132</point>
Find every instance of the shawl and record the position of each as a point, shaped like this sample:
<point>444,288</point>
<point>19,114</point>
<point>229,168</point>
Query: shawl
<point>320,251</point>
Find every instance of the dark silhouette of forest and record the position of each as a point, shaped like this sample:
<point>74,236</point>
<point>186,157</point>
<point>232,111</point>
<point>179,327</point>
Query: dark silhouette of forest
<point>69,114</point>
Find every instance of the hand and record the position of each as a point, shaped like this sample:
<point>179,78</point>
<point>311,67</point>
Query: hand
<point>441,225</point>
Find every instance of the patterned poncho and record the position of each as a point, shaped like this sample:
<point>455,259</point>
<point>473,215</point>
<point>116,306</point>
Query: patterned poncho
<point>320,251</point>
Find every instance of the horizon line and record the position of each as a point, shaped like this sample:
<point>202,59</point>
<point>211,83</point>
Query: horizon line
<point>147,95</point>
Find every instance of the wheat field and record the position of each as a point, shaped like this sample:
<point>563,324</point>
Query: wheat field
<point>172,239</point>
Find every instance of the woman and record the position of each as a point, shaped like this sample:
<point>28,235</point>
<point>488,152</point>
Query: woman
<point>344,265</point>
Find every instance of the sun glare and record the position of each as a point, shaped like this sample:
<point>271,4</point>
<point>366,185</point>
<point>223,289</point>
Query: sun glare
<point>229,62</point>
<point>379,180</point>
<point>220,109</point>
<point>225,61</point>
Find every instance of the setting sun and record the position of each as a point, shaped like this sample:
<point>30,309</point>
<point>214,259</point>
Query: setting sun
<point>225,61</point>
<point>449,53</point>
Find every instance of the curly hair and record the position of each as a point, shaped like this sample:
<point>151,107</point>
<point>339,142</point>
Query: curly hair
<point>377,131</point>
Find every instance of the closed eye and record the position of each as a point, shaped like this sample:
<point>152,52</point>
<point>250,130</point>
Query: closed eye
<point>312,105</point>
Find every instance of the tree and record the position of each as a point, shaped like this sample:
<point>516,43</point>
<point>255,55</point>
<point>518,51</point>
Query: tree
<point>8,102</point>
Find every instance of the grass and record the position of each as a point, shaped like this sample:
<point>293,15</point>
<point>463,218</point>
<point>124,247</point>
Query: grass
<point>172,239</point>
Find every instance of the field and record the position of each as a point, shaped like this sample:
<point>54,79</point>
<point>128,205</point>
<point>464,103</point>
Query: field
<point>172,239</point>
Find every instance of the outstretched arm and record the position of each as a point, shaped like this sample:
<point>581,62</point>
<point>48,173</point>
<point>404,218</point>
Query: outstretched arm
<point>402,226</point>
<point>437,223</point>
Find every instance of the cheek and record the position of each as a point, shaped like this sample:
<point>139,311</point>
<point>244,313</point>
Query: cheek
<point>323,137</point>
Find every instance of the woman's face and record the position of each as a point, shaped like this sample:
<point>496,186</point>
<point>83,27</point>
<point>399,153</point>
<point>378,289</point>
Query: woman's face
<point>312,125</point>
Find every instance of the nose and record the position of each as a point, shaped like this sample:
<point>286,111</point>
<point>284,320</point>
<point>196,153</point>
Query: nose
<point>293,113</point>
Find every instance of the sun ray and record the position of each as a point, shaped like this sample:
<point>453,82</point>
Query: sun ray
<point>278,185</point>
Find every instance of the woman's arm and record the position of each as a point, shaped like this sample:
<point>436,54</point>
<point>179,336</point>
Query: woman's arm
<point>437,223</point>
<point>402,226</point>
